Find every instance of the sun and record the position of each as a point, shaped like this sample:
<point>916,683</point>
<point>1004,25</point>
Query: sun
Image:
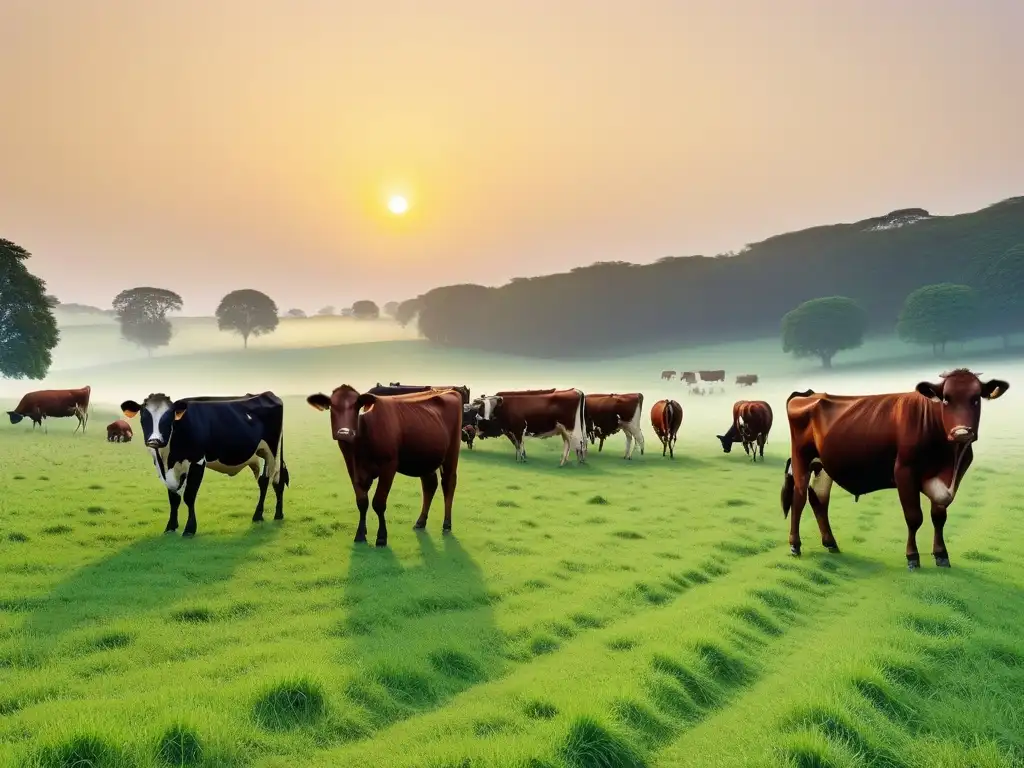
<point>398,205</point>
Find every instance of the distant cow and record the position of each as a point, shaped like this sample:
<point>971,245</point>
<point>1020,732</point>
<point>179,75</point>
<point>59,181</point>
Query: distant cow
<point>668,375</point>
<point>666,418</point>
<point>713,377</point>
<point>746,379</point>
<point>688,377</point>
<point>535,413</point>
<point>54,404</point>
<point>917,442</point>
<point>751,423</point>
<point>226,434</point>
<point>397,388</point>
<point>469,433</point>
<point>415,435</point>
<point>605,415</point>
<point>119,431</point>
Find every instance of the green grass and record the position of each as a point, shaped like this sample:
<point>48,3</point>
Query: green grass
<point>638,613</point>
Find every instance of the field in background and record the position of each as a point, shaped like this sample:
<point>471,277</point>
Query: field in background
<point>617,614</point>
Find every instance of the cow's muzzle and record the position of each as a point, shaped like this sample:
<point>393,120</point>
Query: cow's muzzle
<point>962,435</point>
<point>154,443</point>
<point>345,434</point>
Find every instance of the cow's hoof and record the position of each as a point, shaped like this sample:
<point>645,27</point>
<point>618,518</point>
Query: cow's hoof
<point>942,561</point>
<point>188,534</point>
<point>913,563</point>
<point>170,530</point>
<point>446,529</point>
<point>258,519</point>
<point>834,549</point>
<point>279,516</point>
<point>794,551</point>
<point>382,542</point>
<point>419,526</point>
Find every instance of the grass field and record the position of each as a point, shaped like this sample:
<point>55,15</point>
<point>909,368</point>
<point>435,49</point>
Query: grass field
<point>640,613</point>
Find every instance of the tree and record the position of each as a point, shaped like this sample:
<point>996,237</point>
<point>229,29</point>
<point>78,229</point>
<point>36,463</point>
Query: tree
<point>391,309</point>
<point>28,328</point>
<point>822,327</point>
<point>407,310</point>
<point>1002,288</point>
<point>142,313</point>
<point>325,311</point>
<point>940,313</point>
<point>365,310</point>
<point>296,313</point>
<point>247,312</point>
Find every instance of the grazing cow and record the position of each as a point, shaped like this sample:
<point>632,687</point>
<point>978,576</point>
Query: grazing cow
<point>746,379</point>
<point>397,388</point>
<point>668,375</point>
<point>54,404</point>
<point>605,415</point>
<point>916,442</point>
<point>535,413</point>
<point>119,431</point>
<point>711,377</point>
<point>226,434</point>
<point>751,423</point>
<point>688,377</point>
<point>415,435</point>
<point>469,433</point>
<point>666,418</point>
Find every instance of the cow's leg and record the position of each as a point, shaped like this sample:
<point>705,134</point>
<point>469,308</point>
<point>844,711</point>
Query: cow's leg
<point>278,486</point>
<point>801,478</point>
<point>600,445</point>
<point>629,445</point>
<point>819,491</point>
<point>361,489</point>
<point>192,483</point>
<point>380,502</point>
<point>449,479</point>
<point>522,444</point>
<point>938,543</point>
<point>263,481</point>
<point>910,499</point>
<point>566,445</point>
<point>172,521</point>
<point>761,440</point>
<point>429,483</point>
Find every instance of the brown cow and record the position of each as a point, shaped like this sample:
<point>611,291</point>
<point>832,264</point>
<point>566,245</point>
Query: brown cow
<point>688,377</point>
<point>668,375</point>
<point>666,418</point>
<point>746,379</point>
<point>751,423</point>
<point>414,435</point>
<point>54,404</point>
<point>119,431</point>
<point>712,377</point>
<point>535,413</point>
<point>469,435</point>
<point>605,415</point>
<point>916,442</point>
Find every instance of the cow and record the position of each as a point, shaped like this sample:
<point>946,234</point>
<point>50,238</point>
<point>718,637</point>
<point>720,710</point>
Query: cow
<point>226,434</point>
<point>535,413</point>
<point>666,418</point>
<point>54,404</point>
<point>397,388</point>
<point>751,423</point>
<point>469,433</point>
<point>746,379</point>
<point>688,377</point>
<point>668,375</point>
<point>414,434</point>
<point>119,431</point>
<point>605,415</point>
<point>712,377</point>
<point>917,442</point>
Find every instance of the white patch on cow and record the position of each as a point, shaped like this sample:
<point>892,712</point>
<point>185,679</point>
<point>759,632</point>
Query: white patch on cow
<point>633,430</point>
<point>822,485</point>
<point>938,492</point>
<point>740,423</point>
<point>578,435</point>
<point>789,468</point>
<point>156,412</point>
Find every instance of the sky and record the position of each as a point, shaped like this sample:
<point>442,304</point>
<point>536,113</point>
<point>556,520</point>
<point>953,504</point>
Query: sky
<point>209,145</point>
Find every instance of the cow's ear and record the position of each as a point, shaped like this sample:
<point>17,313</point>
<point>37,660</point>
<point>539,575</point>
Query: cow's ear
<point>319,401</point>
<point>932,391</point>
<point>365,402</point>
<point>179,409</point>
<point>130,409</point>
<point>994,388</point>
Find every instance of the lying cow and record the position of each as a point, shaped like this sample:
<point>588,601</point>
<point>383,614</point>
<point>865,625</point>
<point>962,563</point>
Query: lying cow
<point>119,431</point>
<point>605,415</point>
<point>54,404</point>
<point>666,418</point>
<point>746,379</point>
<point>187,437</point>
<point>917,442</point>
<point>751,423</point>
<point>535,413</point>
<point>415,435</point>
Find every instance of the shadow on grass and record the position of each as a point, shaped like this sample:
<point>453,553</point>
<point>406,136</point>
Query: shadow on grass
<point>419,633</point>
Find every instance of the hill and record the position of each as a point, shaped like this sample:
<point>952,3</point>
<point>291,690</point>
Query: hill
<point>607,306</point>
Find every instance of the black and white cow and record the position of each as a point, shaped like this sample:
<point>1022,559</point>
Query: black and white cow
<point>187,437</point>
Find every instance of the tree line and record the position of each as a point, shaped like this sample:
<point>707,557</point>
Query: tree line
<point>615,306</point>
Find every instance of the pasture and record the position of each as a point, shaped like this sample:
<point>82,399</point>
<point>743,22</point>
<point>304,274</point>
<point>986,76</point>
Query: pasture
<point>641,613</point>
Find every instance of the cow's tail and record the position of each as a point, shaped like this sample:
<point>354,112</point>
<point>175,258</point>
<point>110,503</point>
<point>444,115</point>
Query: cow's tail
<point>582,418</point>
<point>788,486</point>
<point>283,477</point>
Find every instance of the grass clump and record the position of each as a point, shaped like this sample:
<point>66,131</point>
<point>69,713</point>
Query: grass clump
<point>85,750</point>
<point>179,746</point>
<point>589,744</point>
<point>290,704</point>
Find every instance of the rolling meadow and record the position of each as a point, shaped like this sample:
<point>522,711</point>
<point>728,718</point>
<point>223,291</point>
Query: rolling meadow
<point>615,614</point>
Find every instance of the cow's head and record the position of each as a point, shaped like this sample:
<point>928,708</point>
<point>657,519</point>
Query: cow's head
<point>731,436</point>
<point>486,408</point>
<point>960,394</point>
<point>157,414</point>
<point>15,416</point>
<point>344,404</point>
